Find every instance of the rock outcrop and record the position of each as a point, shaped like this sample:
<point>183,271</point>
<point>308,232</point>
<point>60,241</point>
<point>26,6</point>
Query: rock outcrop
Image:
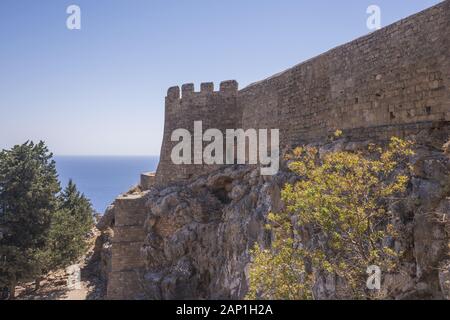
<point>198,234</point>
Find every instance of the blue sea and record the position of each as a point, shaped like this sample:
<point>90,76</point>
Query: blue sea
<point>103,178</point>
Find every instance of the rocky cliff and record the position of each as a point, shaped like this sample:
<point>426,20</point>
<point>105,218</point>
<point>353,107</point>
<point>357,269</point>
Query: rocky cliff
<point>198,234</point>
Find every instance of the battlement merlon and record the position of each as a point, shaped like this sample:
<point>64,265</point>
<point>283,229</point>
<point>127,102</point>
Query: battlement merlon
<point>187,89</point>
<point>229,87</point>
<point>173,93</point>
<point>207,87</point>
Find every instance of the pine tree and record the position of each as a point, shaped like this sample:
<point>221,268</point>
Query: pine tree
<point>41,229</point>
<point>28,201</point>
<point>71,224</point>
<point>77,206</point>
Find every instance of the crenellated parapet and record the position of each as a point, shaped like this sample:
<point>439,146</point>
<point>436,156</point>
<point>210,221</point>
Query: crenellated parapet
<point>229,87</point>
<point>215,108</point>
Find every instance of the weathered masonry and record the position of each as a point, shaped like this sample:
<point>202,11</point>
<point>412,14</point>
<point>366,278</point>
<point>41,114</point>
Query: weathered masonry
<point>393,81</point>
<point>129,234</point>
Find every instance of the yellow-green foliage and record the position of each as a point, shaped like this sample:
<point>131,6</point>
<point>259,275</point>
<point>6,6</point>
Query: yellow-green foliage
<point>339,205</point>
<point>279,273</point>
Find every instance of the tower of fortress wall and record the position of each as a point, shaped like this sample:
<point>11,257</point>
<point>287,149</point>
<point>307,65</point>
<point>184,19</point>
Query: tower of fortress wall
<point>394,81</point>
<point>216,109</point>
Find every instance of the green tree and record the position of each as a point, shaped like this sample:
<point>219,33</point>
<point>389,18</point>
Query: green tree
<point>70,227</point>
<point>28,189</point>
<point>41,228</point>
<point>336,222</point>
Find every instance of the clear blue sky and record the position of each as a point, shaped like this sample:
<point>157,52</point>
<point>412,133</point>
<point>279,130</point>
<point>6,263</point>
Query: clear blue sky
<point>100,90</point>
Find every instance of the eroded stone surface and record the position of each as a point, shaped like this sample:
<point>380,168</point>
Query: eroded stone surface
<point>197,236</point>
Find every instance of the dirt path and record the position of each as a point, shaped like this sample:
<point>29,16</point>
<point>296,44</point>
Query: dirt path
<point>77,282</point>
<point>77,294</point>
<point>57,286</point>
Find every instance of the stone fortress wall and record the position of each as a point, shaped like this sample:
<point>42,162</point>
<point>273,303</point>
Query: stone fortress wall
<point>377,84</point>
<point>394,81</point>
